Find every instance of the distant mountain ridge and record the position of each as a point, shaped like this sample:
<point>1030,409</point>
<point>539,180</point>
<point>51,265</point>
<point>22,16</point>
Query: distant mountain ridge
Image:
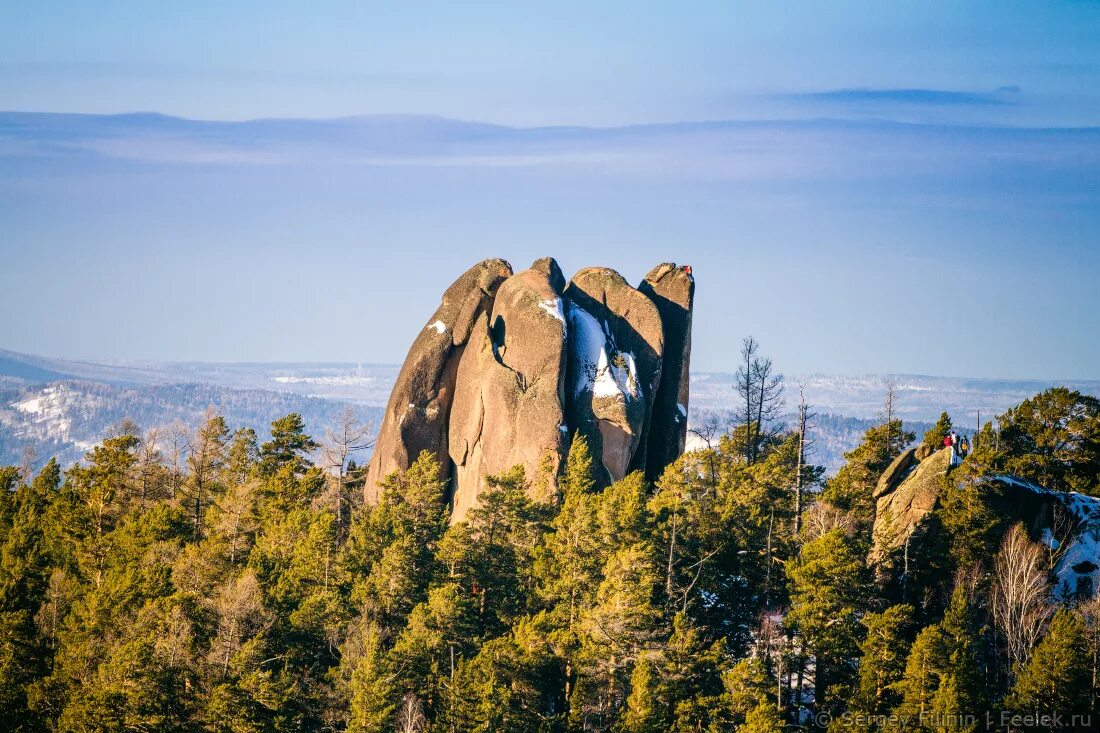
<point>390,138</point>
<point>76,401</point>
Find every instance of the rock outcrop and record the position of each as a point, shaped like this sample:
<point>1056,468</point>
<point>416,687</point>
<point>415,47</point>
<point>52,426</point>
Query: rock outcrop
<point>420,405</point>
<point>511,366</point>
<point>672,289</point>
<point>1067,523</point>
<point>906,494</point>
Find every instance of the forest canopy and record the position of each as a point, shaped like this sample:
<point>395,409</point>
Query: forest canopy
<point>244,586</point>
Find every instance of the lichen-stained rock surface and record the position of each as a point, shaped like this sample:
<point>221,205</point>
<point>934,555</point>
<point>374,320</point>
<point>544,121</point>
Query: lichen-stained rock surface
<point>672,290</point>
<point>898,469</point>
<point>419,407</point>
<point>616,347</point>
<point>508,396</point>
<point>906,494</point>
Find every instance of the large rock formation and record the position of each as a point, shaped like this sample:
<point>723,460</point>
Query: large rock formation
<point>1067,523</point>
<point>511,366</point>
<point>420,404</point>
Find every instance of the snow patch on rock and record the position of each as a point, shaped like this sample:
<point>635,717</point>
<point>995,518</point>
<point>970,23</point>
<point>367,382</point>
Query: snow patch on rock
<point>1077,571</point>
<point>599,367</point>
<point>553,307</point>
<point>1081,557</point>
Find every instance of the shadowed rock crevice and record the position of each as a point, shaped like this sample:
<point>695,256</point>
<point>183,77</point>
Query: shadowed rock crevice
<point>672,290</point>
<point>511,366</point>
<point>616,358</point>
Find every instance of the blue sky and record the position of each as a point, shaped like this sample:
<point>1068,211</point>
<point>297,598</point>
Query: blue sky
<point>878,165</point>
<point>534,63</point>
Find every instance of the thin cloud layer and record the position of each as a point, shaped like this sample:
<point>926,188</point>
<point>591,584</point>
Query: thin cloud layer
<point>805,150</point>
<point>936,97</point>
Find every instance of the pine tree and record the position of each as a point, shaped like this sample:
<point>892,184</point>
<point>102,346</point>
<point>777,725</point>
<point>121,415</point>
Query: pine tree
<point>567,570</point>
<point>623,622</point>
<point>579,476</point>
<point>924,667</point>
<point>942,688</point>
<point>24,573</point>
<point>505,528</point>
<point>507,685</point>
<point>371,689</point>
<point>969,521</point>
<point>762,719</point>
<point>1058,676</point>
<point>746,686</point>
<point>828,592</point>
<point>439,633</point>
<point>934,436</point>
<point>960,624</point>
<point>644,711</point>
<point>288,447</point>
<point>1054,439</point>
<point>883,659</point>
<point>852,488</point>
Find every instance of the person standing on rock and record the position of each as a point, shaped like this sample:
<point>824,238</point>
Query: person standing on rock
<point>964,447</point>
<point>952,441</point>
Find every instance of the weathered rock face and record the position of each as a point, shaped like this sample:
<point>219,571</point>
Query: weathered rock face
<point>508,399</point>
<point>1067,523</point>
<point>906,494</point>
<point>615,360</point>
<point>419,406</point>
<point>510,366</point>
<point>672,289</point>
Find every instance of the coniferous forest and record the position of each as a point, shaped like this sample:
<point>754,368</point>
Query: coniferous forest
<point>244,586</point>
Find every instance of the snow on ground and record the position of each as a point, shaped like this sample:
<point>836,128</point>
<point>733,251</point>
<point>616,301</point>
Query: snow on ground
<point>348,380</point>
<point>599,367</point>
<point>1080,556</point>
<point>46,415</point>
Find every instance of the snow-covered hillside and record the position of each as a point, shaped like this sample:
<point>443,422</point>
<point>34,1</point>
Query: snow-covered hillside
<point>61,406</point>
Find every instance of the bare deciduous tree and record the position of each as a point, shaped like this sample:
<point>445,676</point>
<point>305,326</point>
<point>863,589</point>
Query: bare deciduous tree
<point>760,390</point>
<point>150,469</point>
<point>239,610</point>
<point>1090,615</point>
<point>1061,529</point>
<point>206,455</point>
<point>822,518</point>
<point>1021,593</point>
<point>26,465</point>
<point>802,475</point>
<point>888,415</point>
<point>350,436</point>
<point>410,716</point>
<point>178,436</point>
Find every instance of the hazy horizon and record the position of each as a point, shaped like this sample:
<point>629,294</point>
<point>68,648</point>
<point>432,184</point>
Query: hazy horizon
<point>866,189</point>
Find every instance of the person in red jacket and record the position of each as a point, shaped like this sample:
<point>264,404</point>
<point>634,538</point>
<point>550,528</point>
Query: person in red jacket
<point>952,441</point>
